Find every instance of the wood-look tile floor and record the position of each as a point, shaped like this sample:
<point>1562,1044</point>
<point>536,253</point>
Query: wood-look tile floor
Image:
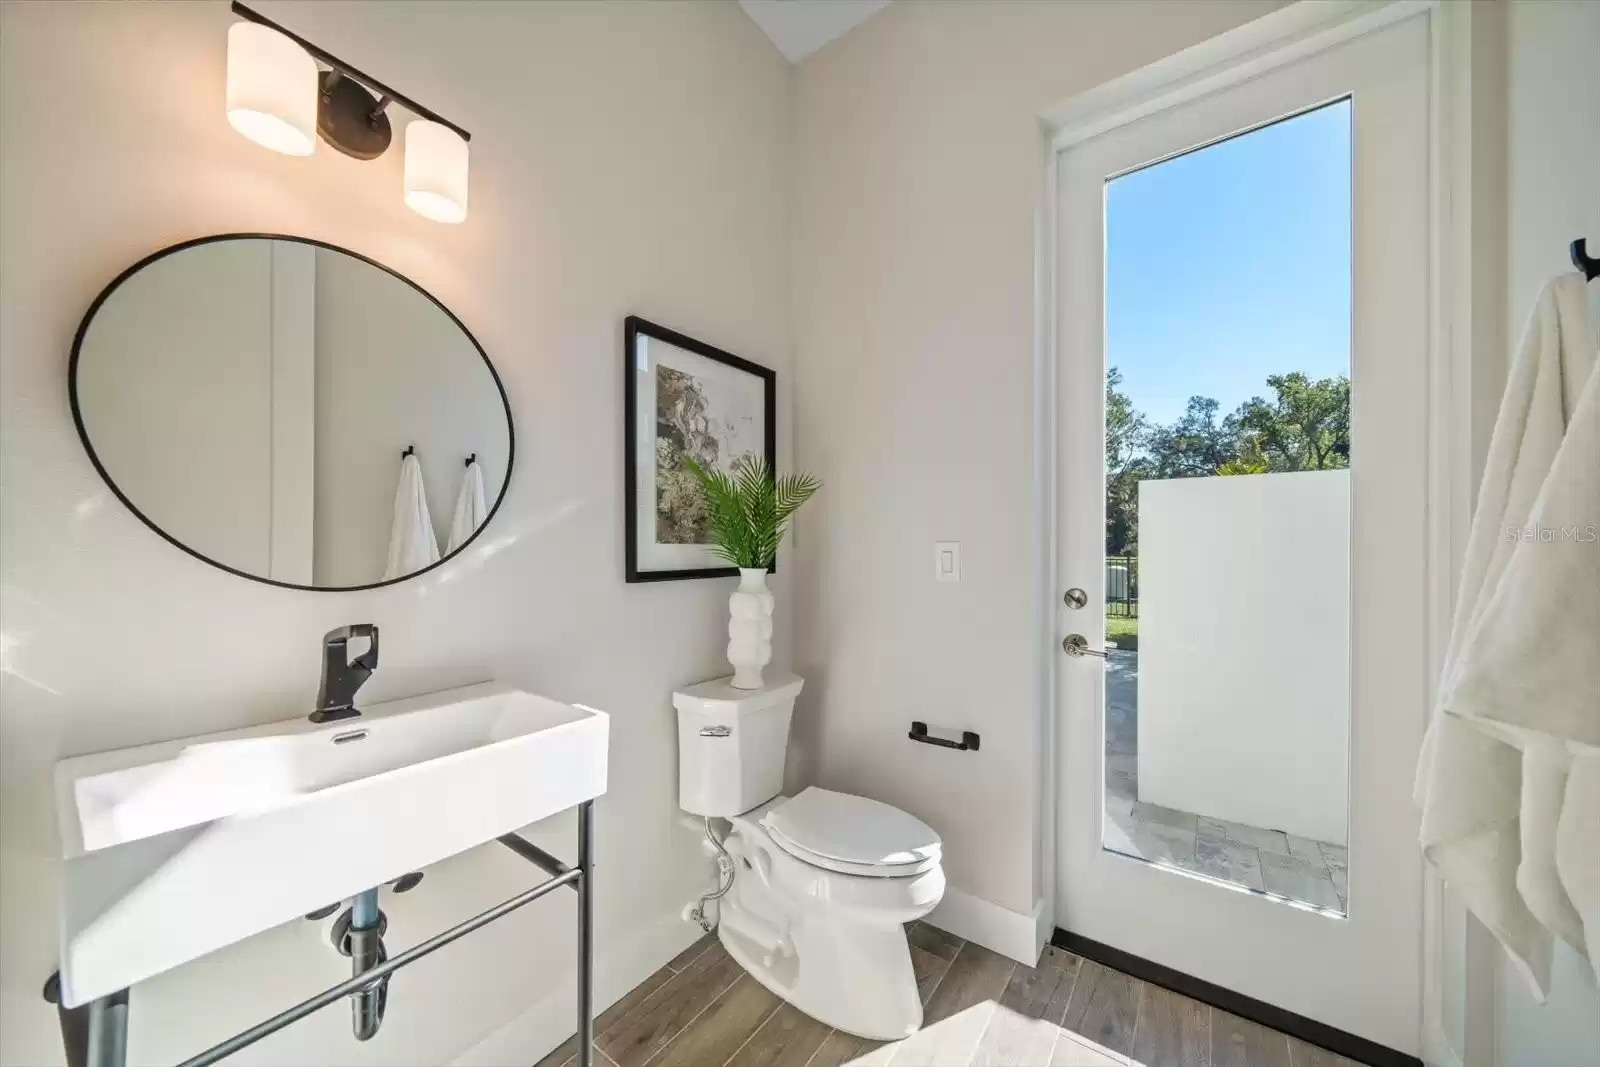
<point>981,1010</point>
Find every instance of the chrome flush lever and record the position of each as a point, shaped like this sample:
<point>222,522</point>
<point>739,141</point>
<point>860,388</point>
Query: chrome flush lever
<point>1075,645</point>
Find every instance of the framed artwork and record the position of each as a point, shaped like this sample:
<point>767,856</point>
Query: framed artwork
<point>684,398</point>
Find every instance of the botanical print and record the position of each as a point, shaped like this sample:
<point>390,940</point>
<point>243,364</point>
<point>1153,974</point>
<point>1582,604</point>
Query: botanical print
<point>691,423</point>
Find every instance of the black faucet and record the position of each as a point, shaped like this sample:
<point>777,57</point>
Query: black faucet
<point>341,675</point>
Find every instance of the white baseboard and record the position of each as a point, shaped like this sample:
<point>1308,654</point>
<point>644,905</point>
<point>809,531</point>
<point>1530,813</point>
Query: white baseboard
<point>1012,934</point>
<point>533,1034</point>
<point>1044,926</point>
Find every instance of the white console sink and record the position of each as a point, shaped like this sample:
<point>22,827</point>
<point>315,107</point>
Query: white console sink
<point>176,849</point>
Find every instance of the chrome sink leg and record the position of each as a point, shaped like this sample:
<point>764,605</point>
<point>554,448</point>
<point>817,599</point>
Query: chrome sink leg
<point>108,1030</point>
<point>586,934</point>
<point>93,1034</point>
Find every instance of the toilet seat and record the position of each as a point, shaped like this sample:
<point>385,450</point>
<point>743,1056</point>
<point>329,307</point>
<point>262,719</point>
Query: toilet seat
<point>854,835</point>
<point>865,870</point>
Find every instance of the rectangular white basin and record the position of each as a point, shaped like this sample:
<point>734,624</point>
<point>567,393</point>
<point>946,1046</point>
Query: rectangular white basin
<point>176,849</point>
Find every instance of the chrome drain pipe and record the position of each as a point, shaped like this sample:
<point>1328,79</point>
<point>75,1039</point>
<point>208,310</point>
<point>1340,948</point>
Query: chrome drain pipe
<point>359,935</point>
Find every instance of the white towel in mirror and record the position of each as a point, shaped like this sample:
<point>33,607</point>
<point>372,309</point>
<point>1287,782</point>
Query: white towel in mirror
<point>412,545</point>
<point>470,512</point>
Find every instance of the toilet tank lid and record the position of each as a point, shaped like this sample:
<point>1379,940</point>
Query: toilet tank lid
<point>719,695</point>
<point>842,826</point>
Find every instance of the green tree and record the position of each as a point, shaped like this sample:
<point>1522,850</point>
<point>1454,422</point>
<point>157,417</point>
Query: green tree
<point>1195,445</point>
<point>1248,459</point>
<point>1125,465</point>
<point>1305,427</point>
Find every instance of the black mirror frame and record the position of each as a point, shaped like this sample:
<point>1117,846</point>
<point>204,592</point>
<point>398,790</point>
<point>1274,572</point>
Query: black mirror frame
<point>94,458</point>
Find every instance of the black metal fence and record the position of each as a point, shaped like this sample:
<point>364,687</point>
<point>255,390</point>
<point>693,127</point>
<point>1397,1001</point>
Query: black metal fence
<point>1122,586</point>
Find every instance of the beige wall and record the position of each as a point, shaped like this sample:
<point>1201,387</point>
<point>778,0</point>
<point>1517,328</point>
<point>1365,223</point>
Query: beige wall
<point>629,158</point>
<point>1553,196</point>
<point>919,157</point>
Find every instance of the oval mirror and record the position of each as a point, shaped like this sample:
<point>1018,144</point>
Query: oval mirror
<point>291,412</point>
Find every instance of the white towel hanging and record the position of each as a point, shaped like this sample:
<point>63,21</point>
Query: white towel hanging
<point>1510,768</point>
<point>411,542</point>
<point>470,512</point>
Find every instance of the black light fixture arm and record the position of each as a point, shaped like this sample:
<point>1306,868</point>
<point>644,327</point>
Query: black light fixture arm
<point>385,94</point>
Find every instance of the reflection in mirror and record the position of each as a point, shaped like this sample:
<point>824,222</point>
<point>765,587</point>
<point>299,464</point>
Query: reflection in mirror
<point>251,398</point>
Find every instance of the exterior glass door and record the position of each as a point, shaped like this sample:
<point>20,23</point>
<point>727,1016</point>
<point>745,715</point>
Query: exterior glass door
<point>1227,578</point>
<point>1241,335</point>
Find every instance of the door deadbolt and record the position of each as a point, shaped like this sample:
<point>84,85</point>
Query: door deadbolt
<point>1076,598</point>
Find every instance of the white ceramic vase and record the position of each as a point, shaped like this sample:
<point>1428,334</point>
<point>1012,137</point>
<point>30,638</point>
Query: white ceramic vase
<point>750,628</point>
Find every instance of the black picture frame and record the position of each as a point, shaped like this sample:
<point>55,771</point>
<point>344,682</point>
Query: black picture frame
<point>633,328</point>
<point>94,458</point>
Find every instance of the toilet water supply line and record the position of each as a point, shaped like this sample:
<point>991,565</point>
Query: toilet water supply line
<point>725,872</point>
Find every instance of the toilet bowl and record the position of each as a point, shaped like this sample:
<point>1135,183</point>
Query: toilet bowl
<point>824,882</point>
<point>830,941</point>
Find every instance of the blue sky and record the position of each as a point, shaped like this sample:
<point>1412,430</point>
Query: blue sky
<point>1231,263</point>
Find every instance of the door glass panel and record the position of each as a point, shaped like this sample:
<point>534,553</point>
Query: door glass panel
<point>1227,573</point>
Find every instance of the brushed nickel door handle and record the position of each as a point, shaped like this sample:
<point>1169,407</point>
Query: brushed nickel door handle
<point>1076,645</point>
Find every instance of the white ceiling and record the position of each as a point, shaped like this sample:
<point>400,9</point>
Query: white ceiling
<point>800,27</point>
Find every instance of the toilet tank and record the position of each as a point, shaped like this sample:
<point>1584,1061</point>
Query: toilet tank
<point>731,744</point>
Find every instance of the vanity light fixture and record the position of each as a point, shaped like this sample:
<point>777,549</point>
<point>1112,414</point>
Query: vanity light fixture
<point>272,89</point>
<point>436,171</point>
<point>281,97</point>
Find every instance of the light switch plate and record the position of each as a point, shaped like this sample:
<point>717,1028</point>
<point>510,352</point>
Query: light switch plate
<point>947,561</point>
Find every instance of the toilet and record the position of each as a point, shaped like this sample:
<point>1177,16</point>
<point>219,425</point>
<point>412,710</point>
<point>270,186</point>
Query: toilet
<point>824,882</point>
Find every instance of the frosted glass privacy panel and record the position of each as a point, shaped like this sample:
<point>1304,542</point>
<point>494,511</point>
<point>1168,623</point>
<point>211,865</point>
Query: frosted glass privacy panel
<point>251,398</point>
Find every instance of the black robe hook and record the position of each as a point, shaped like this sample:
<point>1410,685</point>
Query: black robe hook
<point>1585,264</point>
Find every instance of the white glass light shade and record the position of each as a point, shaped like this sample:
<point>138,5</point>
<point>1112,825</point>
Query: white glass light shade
<point>436,171</point>
<point>272,89</point>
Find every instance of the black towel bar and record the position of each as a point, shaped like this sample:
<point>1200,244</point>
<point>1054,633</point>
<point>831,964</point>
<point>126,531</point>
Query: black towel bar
<point>968,742</point>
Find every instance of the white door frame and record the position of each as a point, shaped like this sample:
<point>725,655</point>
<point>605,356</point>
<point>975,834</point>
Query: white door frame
<point>1458,967</point>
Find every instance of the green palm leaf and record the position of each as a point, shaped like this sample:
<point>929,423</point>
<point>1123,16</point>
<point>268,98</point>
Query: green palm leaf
<point>750,509</point>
